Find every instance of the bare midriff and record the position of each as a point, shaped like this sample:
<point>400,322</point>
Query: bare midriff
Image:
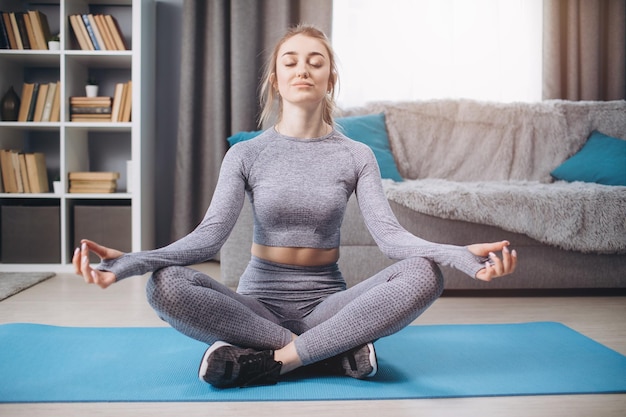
<point>296,256</point>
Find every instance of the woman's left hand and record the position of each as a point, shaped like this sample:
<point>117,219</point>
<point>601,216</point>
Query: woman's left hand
<point>496,266</point>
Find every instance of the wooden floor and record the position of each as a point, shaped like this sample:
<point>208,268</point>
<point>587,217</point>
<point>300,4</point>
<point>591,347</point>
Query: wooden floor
<point>65,300</point>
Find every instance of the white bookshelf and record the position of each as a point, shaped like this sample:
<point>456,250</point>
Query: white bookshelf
<point>71,146</point>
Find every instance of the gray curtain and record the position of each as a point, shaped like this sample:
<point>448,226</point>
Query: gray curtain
<point>584,54</point>
<point>224,46</point>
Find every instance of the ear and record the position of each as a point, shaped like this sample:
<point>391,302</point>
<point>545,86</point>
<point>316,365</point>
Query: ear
<point>332,79</point>
<point>273,80</point>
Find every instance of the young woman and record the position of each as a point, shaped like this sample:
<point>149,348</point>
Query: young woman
<point>292,308</point>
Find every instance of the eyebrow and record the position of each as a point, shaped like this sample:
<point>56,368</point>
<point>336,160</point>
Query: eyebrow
<point>308,55</point>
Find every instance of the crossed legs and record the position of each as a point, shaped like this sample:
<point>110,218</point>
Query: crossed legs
<point>204,309</point>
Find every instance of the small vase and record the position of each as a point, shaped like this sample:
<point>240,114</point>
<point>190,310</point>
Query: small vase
<point>10,106</point>
<point>54,45</point>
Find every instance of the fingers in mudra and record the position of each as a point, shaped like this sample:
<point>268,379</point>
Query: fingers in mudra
<point>496,267</point>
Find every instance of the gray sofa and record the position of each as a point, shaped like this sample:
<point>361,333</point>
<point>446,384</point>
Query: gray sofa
<point>481,172</point>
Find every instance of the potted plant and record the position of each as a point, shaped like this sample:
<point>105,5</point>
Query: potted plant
<point>57,186</point>
<point>54,43</point>
<point>91,89</point>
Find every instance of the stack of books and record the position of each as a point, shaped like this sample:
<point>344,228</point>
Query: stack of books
<point>23,172</point>
<point>90,109</point>
<point>24,30</point>
<point>93,182</point>
<point>97,32</point>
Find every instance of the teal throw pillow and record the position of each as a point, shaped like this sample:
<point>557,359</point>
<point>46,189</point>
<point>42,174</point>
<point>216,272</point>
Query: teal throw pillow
<point>601,160</point>
<point>369,129</point>
<point>243,136</point>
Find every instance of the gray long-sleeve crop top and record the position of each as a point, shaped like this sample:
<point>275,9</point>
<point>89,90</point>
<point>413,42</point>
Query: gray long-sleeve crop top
<point>299,189</point>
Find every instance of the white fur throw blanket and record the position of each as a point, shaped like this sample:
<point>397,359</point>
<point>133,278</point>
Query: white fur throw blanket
<point>574,216</point>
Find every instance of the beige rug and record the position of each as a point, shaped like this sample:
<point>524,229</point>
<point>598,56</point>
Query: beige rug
<point>13,282</point>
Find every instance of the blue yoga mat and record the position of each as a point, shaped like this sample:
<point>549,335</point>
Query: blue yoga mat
<point>41,363</point>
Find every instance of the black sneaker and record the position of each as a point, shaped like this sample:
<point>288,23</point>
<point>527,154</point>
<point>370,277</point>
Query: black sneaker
<point>224,365</point>
<point>359,363</point>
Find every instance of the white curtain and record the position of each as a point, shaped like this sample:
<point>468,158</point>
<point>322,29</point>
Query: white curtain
<point>428,49</point>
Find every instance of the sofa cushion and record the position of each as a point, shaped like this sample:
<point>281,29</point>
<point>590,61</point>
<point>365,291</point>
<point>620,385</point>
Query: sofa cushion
<point>601,160</point>
<point>369,129</point>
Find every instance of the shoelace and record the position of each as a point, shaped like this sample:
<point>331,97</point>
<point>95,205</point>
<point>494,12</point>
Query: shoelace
<point>258,369</point>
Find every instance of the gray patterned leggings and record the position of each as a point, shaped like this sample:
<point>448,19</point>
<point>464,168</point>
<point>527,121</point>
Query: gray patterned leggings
<point>274,301</point>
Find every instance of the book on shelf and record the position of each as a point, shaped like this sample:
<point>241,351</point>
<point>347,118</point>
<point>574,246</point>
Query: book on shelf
<point>47,108</point>
<point>94,175</point>
<point>77,110</point>
<point>41,28</point>
<point>37,172</point>
<point>9,180</point>
<point>33,102</point>
<point>4,35</point>
<point>15,164</point>
<point>16,31</point>
<point>28,29</point>
<point>90,101</point>
<point>20,28</point>
<point>90,118</point>
<point>125,111</point>
<point>97,32</point>
<point>122,102</point>
<point>40,102</point>
<point>79,186</point>
<point>27,96</point>
<point>7,30</point>
<point>23,172</point>
<point>93,182</point>
<point>117,101</point>
<point>91,32</point>
<point>55,112</point>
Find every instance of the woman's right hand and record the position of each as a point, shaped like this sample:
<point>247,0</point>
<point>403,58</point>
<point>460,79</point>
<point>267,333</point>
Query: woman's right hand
<point>82,267</point>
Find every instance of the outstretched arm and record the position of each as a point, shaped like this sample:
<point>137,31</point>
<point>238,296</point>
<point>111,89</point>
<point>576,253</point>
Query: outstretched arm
<point>199,245</point>
<point>479,261</point>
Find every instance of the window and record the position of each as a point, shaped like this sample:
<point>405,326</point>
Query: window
<point>431,49</point>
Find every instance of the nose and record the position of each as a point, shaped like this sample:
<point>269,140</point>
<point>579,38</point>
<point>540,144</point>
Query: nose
<point>303,73</point>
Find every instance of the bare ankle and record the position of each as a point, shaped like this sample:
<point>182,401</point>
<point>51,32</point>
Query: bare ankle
<point>289,358</point>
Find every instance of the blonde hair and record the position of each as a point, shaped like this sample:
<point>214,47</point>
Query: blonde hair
<point>268,95</point>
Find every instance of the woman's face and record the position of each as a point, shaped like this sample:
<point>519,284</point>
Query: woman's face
<point>302,70</point>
